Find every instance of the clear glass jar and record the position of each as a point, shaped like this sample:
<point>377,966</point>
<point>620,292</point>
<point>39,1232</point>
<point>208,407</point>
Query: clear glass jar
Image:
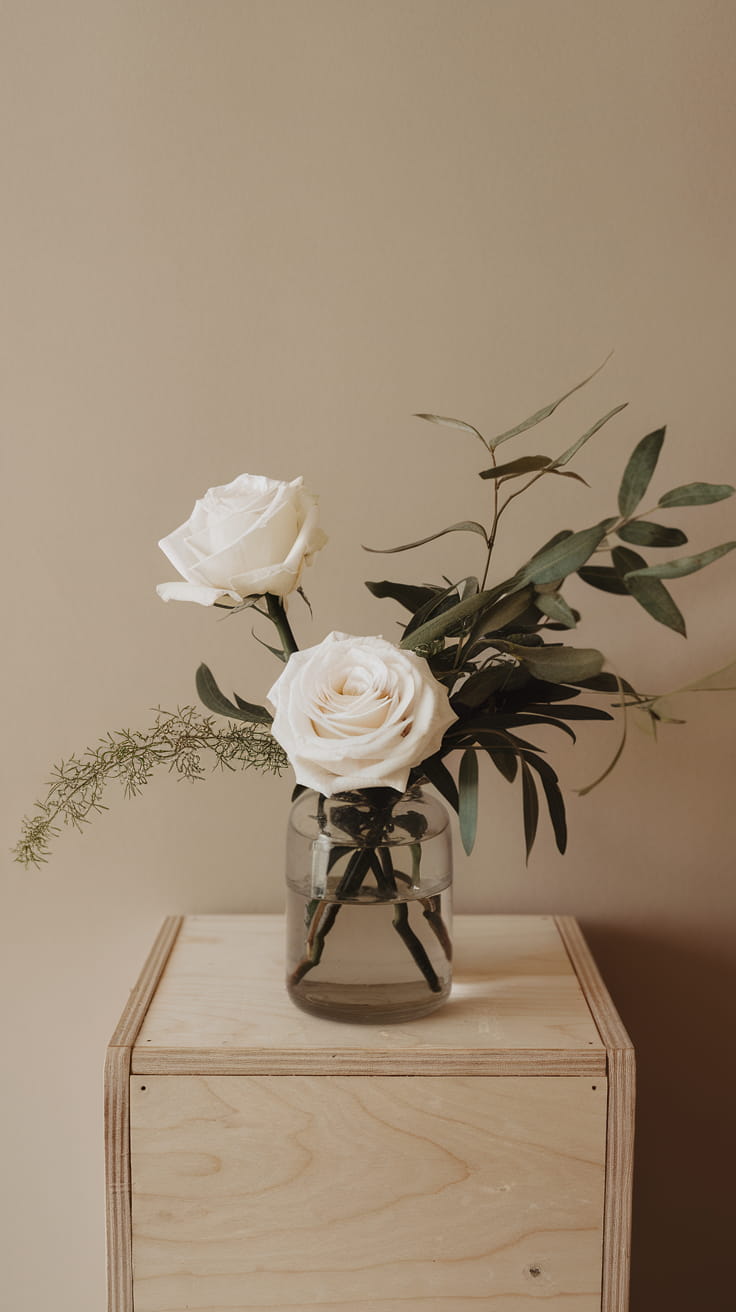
<point>369,905</point>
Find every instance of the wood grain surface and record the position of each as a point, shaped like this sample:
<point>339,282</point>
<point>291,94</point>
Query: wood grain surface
<point>117,1121</point>
<point>382,1194</point>
<point>621,1109</point>
<point>516,1007</point>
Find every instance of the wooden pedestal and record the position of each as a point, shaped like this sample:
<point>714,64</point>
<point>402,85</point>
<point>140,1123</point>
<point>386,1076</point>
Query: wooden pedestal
<point>260,1158</point>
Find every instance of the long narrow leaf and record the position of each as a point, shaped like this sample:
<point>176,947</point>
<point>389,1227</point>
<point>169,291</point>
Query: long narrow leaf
<point>439,775</point>
<point>454,423</point>
<point>654,598</point>
<point>215,700</point>
<point>530,804</point>
<point>564,712</point>
<point>505,612</point>
<point>466,526</point>
<point>553,542</point>
<point>545,411</point>
<point>650,593</point>
<point>677,569</point>
<point>441,601</point>
<point>555,801</point>
<point>639,469</point>
<point>505,760</point>
<point>645,534</point>
<point>607,683</point>
<point>556,664</point>
<point>468,790</point>
<point>441,625</point>
<point>603,577</point>
<point>256,714</point>
<point>566,556</point>
<point>275,651</point>
<point>625,560</point>
<point>696,494</point>
<point>514,468</point>
<point>555,606</point>
<point>573,450</point>
<point>407,594</point>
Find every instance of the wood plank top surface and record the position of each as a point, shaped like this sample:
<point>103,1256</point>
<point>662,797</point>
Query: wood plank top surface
<point>516,1007</point>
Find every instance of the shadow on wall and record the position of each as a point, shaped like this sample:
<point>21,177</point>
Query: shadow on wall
<point>678,1002</point>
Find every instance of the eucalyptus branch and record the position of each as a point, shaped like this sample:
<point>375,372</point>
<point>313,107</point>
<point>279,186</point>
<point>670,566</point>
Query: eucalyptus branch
<point>180,740</point>
<point>494,525</point>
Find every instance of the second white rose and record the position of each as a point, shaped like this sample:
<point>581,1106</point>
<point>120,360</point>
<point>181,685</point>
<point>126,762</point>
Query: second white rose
<point>358,713</point>
<point>246,538</point>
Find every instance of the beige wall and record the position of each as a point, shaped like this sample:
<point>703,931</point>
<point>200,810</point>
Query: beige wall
<point>258,236</point>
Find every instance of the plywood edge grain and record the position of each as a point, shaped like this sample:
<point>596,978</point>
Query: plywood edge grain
<point>117,1120</point>
<point>410,1061</point>
<point>620,1120</point>
<point>619,1180</point>
<point>607,1020</point>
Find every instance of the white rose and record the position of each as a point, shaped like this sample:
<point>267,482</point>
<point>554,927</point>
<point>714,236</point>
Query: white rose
<point>244,539</point>
<point>358,713</point>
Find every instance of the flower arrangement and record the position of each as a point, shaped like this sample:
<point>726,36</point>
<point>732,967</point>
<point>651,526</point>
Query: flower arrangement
<point>481,661</point>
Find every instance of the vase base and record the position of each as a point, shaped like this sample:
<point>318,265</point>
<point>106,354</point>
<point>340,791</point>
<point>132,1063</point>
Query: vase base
<point>367,1004</point>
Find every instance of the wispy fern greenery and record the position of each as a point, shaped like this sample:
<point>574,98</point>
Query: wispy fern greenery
<point>184,741</point>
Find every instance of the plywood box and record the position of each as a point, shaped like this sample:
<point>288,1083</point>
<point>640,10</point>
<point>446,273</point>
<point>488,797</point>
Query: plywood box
<point>261,1158</point>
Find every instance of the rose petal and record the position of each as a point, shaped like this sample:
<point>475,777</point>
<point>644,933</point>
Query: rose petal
<point>194,592</point>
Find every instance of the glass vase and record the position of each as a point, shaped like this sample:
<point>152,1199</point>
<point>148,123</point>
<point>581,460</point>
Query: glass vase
<point>369,905</point>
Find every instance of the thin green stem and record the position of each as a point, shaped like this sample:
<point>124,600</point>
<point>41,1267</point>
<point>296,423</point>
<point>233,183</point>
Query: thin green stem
<point>415,946</point>
<point>277,613</point>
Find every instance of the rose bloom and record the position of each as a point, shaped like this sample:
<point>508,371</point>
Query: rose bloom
<point>249,537</point>
<point>358,713</point>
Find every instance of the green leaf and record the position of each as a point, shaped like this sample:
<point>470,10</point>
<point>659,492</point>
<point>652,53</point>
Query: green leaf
<point>407,594</point>
<point>454,423</point>
<point>505,612</point>
<point>625,560</point>
<point>512,468</point>
<point>555,801</point>
<point>466,526</point>
<point>552,604</point>
<point>545,412</point>
<point>656,600</point>
<point>215,700</point>
<point>557,664</point>
<point>440,625</point>
<point>574,712</point>
<point>638,472</point>
<point>442,600</point>
<point>505,760</point>
<point>607,683</point>
<point>573,450</point>
<point>645,534</point>
<point>677,569</point>
<point>603,577</point>
<point>256,714</point>
<point>478,688</point>
<point>569,473</point>
<point>468,809</point>
<point>275,651</point>
<point>439,775</point>
<point>558,537</point>
<point>696,494</point>
<point>651,595</point>
<point>530,803</point>
<point>566,556</point>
